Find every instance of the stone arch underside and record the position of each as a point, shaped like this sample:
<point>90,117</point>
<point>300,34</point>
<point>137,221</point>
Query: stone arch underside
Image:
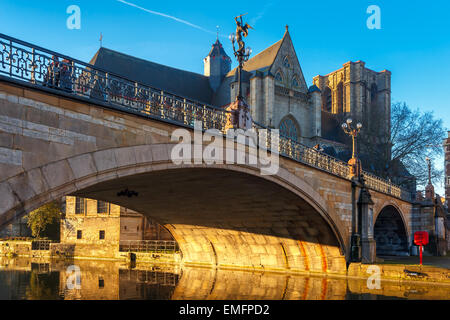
<point>390,232</point>
<point>229,219</point>
<point>221,217</point>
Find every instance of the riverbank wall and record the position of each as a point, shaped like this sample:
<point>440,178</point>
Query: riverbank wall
<point>47,249</point>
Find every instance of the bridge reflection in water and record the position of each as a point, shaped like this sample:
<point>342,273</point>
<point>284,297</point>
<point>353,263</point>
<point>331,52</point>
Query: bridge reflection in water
<point>25,278</point>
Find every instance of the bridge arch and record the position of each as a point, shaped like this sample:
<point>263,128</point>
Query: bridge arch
<point>391,231</point>
<point>297,231</point>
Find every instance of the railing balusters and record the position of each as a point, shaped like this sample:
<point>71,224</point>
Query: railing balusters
<point>148,246</point>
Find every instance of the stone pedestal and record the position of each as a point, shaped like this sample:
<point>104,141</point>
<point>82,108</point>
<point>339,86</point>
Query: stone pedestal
<point>368,244</point>
<point>368,250</point>
<point>355,248</point>
<point>239,116</point>
<point>355,167</point>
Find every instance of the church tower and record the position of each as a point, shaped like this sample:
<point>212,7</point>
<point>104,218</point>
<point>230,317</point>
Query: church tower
<point>216,65</point>
<point>364,95</point>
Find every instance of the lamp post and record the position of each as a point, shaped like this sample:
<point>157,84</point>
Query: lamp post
<point>429,189</point>
<point>355,164</point>
<point>240,116</point>
<point>360,208</point>
<point>242,53</point>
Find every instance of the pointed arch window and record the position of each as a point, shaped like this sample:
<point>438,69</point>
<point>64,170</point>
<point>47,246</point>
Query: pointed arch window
<point>327,101</point>
<point>295,82</point>
<point>373,106</point>
<point>373,95</point>
<point>286,62</point>
<point>340,98</point>
<point>288,129</point>
<point>279,77</point>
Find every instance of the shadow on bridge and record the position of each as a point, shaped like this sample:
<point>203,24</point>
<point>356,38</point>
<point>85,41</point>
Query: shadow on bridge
<point>231,219</point>
<point>390,233</point>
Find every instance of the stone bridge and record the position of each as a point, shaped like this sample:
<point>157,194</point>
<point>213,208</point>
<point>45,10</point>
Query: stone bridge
<point>88,140</point>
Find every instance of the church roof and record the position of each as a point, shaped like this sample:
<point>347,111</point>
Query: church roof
<point>263,59</point>
<point>180,82</point>
<point>313,88</point>
<point>217,50</point>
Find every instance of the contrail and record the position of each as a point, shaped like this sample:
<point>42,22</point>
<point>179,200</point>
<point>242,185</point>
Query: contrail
<point>261,13</point>
<point>166,16</point>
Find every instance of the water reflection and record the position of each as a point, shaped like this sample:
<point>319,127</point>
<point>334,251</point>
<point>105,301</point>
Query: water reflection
<point>28,278</point>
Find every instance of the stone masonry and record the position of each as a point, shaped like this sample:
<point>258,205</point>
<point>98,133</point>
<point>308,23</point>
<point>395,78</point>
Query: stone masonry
<point>221,214</point>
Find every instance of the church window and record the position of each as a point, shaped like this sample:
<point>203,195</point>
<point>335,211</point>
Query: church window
<point>373,106</point>
<point>101,235</point>
<point>340,98</point>
<point>373,95</point>
<point>295,82</point>
<point>286,62</point>
<point>327,100</point>
<point>288,129</point>
<point>79,234</point>
<point>279,77</point>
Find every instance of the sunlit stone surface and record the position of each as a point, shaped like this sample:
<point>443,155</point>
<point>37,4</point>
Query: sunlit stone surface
<point>22,278</point>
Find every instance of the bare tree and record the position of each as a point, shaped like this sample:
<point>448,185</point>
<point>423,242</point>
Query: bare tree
<point>414,136</point>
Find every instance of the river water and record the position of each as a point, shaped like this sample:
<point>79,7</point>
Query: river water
<point>30,278</point>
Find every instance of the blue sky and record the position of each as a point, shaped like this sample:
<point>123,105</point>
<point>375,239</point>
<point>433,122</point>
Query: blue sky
<point>413,43</point>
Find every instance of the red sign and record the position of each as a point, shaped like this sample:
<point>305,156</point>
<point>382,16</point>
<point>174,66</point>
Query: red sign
<point>420,238</point>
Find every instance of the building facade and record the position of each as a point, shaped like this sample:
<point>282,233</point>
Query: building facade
<point>18,228</point>
<point>364,95</point>
<point>89,221</point>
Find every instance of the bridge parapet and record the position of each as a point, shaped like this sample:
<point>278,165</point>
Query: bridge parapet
<point>40,68</point>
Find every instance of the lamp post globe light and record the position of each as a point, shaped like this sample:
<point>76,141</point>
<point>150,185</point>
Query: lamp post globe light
<point>354,162</point>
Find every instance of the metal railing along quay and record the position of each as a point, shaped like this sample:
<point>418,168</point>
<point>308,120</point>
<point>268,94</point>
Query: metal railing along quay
<point>161,246</point>
<point>40,244</point>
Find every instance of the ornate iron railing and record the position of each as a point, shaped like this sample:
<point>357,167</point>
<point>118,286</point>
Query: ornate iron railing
<point>310,156</point>
<point>314,158</point>
<point>47,69</point>
<point>24,61</point>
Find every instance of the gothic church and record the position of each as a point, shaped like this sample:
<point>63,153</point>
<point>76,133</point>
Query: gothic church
<point>276,90</point>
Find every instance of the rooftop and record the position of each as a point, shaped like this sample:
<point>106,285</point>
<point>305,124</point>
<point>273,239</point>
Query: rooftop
<point>179,82</point>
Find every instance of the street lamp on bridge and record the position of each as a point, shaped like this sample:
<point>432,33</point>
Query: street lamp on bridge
<point>362,243</point>
<point>354,162</point>
<point>242,54</point>
<point>429,189</point>
<point>239,109</point>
